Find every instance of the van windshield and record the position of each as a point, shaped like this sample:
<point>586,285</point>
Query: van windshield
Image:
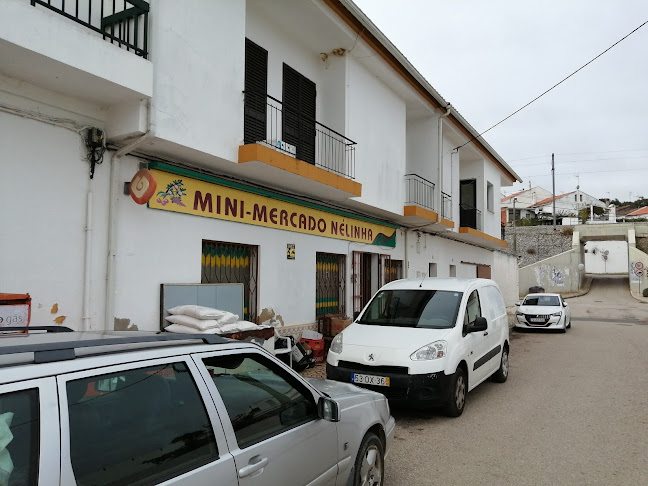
<point>430,309</point>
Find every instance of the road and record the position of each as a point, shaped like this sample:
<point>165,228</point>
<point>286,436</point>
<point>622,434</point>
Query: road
<point>574,410</point>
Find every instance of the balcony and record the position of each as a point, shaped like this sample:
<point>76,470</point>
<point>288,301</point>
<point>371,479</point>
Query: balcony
<point>291,150</point>
<point>86,49</point>
<point>420,203</point>
<point>446,209</point>
<point>470,229</point>
<point>123,23</point>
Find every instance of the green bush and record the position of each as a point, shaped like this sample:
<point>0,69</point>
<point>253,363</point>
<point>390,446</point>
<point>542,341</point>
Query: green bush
<point>645,292</point>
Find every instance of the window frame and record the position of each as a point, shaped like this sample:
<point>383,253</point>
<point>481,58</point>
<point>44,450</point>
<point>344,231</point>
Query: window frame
<point>220,404</point>
<point>67,472</point>
<point>49,438</point>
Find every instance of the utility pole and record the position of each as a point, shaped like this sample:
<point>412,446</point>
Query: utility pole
<point>553,183</point>
<point>514,233</point>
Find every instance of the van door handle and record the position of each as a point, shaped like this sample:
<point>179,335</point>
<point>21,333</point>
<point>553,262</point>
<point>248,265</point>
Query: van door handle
<point>485,333</point>
<point>256,463</point>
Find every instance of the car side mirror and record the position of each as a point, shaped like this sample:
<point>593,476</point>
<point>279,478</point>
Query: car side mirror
<point>564,304</point>
<point>328,409</point>
<point>480,324</point>
<point>518,303</point>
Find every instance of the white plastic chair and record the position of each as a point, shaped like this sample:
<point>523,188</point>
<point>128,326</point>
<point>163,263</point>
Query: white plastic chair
<point>287,350</point>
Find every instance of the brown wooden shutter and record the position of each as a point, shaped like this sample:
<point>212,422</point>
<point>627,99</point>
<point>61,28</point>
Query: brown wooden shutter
<point>299,111</point>
<point>256,83</point>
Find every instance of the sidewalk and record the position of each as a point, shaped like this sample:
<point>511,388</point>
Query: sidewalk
<point>317,371</point>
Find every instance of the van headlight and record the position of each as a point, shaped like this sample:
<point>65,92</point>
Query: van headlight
<point>336,344</point>
<point>435,350</point>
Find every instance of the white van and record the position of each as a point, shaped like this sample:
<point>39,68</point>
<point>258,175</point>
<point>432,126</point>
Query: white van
<point>430,341</point>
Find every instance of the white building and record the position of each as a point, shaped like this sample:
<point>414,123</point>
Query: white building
<point>520,202</point>
<point>307,159</point>
<point>567,205</point>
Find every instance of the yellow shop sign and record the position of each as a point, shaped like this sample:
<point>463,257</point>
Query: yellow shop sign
<point>182,194</point>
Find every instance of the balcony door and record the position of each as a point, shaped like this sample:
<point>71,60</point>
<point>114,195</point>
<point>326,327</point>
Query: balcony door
<point>298,106</point>
<point>468,203</point>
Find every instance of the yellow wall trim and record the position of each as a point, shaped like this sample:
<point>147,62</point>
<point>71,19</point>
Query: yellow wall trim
<point>421,213</point>
<point>259,153</point>
<point>471,231</point>
<point>447,223</point>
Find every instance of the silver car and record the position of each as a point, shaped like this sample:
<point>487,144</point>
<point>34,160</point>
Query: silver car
<point>543,311</point>
<point>135,408</point>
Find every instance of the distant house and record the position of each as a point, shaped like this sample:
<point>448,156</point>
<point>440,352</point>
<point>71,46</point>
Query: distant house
<point>640,213</point>
<point>523,201</point>
<point>566,205</point>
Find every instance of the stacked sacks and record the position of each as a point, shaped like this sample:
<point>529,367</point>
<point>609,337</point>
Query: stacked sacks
<point>196,319</point>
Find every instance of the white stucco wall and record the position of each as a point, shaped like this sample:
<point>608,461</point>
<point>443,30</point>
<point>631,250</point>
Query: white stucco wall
<point>603,257</point>
<point>198,81</point>
<point>505,273</point>
<point>422,150</point>
<point>45,179</point>
<point>376,118</point>
<point>492,219</point>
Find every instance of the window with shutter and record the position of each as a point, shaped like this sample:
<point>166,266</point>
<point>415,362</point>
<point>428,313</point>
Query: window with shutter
<point>256,82</point>
<point>298,102</point>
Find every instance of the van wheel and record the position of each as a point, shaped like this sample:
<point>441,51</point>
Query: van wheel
<point>458,391</point>
<point>501,374</point>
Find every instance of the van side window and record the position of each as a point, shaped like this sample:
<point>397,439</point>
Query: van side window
<point>19,438</point>
<point>473,308</point>
<point>138,426</point>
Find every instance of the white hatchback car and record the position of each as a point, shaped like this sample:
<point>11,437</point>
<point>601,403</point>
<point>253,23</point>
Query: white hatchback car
<point>543,311</point>
<point>136,408</point>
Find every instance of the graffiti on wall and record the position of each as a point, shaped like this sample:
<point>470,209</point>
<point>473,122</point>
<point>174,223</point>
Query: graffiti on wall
<point>557,277</point>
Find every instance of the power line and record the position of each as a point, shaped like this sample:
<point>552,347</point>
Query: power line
<point>546,156</point>
<point>584,160</point>
<point>554,86</point>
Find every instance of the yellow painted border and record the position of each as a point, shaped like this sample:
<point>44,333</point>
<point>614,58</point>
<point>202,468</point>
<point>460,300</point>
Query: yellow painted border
<point>259,153</point>
<point>447,223</point>
<point>474,232</point>
<point>421,213</point>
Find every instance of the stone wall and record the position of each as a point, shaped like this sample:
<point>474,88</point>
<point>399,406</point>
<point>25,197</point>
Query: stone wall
<point>535,243</point>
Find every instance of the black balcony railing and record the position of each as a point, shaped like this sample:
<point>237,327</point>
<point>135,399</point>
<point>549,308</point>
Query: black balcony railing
<point>470,217</point>
<point>122,22</point>
<point>268,122</point>
<point>419,191</point>
<point>446,206</point>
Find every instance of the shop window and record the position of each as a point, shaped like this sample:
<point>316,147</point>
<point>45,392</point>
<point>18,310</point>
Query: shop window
<point>330,284</point>
<point>233,263</point>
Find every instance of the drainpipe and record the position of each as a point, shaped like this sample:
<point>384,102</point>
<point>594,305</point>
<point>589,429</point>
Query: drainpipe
<point>439,197</point>
<point>112,226</point>
<point>87,321</point>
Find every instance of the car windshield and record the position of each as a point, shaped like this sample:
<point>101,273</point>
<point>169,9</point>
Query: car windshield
<point>431,309</point>
<point>545,300</point>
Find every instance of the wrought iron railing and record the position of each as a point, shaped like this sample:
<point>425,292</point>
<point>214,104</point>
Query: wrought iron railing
<point>419,191</point>
<point>446,206</point>
<point>267,121</point>
<point>470,217</point>
<point>122,22</point>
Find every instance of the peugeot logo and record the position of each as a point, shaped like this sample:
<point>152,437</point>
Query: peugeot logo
<point>370,357</point>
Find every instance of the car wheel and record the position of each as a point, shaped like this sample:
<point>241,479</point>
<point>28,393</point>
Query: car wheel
<point>370,462</point>
<point>569,325</point>
<point>458,392</point>
<point>501,374</point>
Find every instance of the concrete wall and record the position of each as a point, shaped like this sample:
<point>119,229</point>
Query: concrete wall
<point>505,273</point>
<point>638,268</point>
<point>556,274</point>
<point>603,257</point>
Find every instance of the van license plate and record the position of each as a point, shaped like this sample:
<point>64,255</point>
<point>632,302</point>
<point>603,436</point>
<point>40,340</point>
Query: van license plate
<point>370,379</point>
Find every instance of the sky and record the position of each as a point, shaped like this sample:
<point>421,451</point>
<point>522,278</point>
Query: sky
<point>489,58</point>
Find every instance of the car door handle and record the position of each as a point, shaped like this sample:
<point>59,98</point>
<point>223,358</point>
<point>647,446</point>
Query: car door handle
<point>256,463</point>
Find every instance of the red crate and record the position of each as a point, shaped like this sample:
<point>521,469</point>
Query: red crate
<point>314,344</point>
<point>319,355</point>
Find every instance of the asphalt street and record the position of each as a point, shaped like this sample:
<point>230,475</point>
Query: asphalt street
<point>574,410</point>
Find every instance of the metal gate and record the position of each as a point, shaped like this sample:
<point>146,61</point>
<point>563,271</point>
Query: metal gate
<point>330,284</point>
<point>233,263</point>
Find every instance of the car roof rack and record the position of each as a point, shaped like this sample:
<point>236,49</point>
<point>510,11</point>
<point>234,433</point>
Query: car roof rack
<point>65,350</point>
<point>36,328</point>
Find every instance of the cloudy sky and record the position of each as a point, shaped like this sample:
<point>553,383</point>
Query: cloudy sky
<point>491,57</point>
